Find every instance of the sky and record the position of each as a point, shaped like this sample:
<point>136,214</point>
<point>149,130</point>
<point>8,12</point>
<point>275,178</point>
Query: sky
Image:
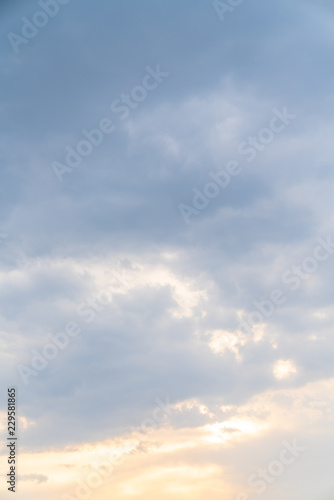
<point>167,248</point>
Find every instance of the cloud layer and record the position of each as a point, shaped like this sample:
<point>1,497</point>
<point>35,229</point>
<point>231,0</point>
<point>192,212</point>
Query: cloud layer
<point>157,302</point>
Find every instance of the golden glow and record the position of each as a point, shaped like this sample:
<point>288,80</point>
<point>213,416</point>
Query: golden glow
<point>234,429</point>
<point>196,462</point>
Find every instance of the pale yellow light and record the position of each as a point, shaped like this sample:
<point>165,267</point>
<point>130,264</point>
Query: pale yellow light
<point>284,368</point>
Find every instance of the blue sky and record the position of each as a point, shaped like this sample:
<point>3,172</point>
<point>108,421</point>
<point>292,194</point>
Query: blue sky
<point>175,291</point>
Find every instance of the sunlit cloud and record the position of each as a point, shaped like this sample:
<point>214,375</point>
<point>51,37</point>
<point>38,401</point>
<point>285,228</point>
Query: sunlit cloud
<point>284,368</point>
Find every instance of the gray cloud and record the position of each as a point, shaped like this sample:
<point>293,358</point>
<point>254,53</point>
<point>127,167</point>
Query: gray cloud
<point>122,201</point>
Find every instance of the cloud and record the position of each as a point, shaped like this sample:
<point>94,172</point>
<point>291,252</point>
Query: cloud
<point>38,478</point>
<point>172,328</point>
